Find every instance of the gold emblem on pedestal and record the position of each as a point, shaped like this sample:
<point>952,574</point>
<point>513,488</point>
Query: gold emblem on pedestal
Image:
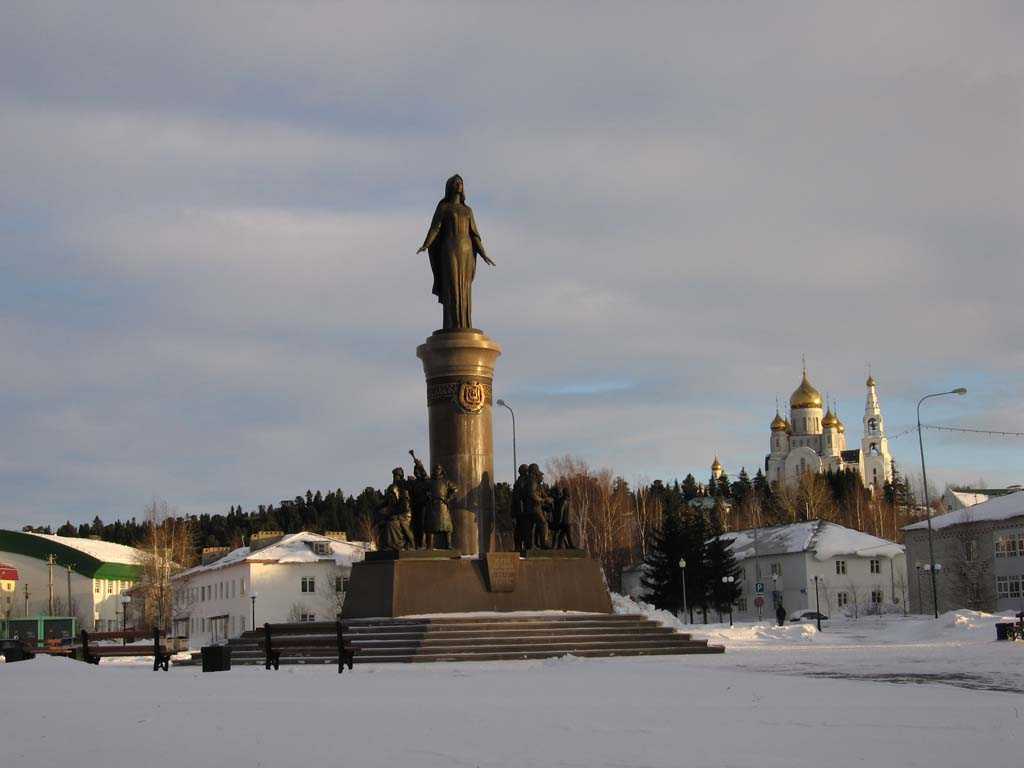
<point>471,396</point>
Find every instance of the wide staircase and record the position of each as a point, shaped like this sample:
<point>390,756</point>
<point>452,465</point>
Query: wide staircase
<point>472,638</point>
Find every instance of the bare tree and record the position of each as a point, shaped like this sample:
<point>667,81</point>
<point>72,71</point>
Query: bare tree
<point>603,510</point>
<point>647,514</point>
<point>969,575</point>
<point>168,549</point>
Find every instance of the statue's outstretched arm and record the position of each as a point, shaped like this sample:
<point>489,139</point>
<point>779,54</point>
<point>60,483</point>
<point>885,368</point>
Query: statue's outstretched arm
<point>435,228</point>
<point>478,243</point>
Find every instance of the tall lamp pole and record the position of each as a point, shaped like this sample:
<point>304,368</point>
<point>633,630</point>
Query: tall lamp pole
<point>515,460</point>
<point>682,567</point>
<point>729,580</point>
<point>253,597</point>
<point>817,602</point>
<point>927,504</point>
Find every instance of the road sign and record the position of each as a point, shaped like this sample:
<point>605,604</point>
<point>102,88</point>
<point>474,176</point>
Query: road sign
<point>758,601</point>
<point>759,587</point>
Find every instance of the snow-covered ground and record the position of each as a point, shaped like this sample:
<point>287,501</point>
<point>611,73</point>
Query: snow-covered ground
<point>763,703</point>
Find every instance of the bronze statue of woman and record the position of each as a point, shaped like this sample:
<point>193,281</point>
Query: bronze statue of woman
<point>453,243</point>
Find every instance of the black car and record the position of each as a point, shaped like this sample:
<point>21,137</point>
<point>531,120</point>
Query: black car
<point>807,616</point>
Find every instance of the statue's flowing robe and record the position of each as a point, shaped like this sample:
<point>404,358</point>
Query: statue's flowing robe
<point>453,243</point>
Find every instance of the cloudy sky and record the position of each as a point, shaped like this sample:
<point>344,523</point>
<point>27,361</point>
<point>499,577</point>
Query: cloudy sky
<point>209,215</point>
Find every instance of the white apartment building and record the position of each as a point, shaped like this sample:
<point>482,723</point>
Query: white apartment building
<point>856,573</point>
<point>294,577</point>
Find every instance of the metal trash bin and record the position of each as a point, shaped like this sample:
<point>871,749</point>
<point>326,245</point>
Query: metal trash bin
<point>1005,631</point>
<point>216,658</point>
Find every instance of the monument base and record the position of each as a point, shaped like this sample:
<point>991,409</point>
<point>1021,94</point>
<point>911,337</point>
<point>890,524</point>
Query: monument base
<point>502,581</point>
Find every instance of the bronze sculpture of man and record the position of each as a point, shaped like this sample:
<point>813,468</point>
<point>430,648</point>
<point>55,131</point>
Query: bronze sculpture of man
<point>437,527</point>
<point>419,495</point>
<point>537,500</point>
<point>393,529</point>
<point>453,243</point>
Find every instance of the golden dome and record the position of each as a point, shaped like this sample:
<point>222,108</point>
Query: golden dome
<point>830,420</point>
<point>871,381</point>
<point>805,396</point>
<point>779,423</point>
<point>715,465</point>
<point>840,427</point>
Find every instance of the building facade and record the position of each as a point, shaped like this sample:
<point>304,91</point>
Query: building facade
<point>856,573</point>
<point>813,439</point>
<point>68,576</point>
<point>278,578</point>
<point>979,551</point>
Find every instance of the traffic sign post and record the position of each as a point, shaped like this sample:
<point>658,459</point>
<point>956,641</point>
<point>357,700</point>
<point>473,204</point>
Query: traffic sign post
<point>759,587</point>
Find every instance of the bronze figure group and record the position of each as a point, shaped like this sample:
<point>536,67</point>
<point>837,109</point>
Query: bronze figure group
<point>542,515</point>
<point>416,511</point>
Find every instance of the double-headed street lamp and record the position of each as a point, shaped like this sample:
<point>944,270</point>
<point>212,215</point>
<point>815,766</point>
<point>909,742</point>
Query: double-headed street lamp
<point>729,580</point>
<point>515,461</point>
<point>924,479</point>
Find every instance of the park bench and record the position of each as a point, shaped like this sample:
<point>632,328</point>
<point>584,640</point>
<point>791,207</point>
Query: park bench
<point>91,655</point>
<point>346,652</point>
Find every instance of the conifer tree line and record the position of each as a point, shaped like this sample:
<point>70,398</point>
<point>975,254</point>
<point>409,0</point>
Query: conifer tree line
<point>619,524</point>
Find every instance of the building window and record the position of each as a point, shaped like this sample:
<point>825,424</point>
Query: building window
<point>307,617</point>
<point>241,586</point>
<point>110,587</point>
<point>877,597</point>
<point>842,599</point>
<point>777,569</point>
<point>876,566</point>
<point>97,587</point>
<point>840,567</point>
<point>1000,547</point>
<point>1002,587</point>
<point>339,584</point>
<point>242,624</point>
<point>308,584</point>
<point>1014,587</point>
<point>322,547</point>
<point>970,551</point>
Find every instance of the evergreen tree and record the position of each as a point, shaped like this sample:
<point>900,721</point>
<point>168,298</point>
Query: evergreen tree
<point>694,551</point>
<point>721,563</point>
<point>690,488</point>
<point>661,575</point>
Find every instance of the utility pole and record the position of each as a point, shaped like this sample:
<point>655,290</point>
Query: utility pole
<point>49,567</point>
<point>69,611</point>
<point>26,599</point>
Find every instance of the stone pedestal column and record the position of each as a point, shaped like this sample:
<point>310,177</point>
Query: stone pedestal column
<point>459,368</point>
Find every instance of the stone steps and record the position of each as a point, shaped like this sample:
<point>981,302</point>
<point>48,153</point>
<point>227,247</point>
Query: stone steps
<point>470,638</point>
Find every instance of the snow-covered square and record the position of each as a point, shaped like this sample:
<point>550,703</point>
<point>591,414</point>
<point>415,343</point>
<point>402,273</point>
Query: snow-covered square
<point>876,692</point>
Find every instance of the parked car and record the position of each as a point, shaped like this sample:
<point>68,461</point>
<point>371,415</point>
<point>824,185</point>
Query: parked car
<point>807,616</point>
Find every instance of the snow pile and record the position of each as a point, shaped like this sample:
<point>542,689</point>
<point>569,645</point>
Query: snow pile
<point>961,625</point>
<point>721,634</point>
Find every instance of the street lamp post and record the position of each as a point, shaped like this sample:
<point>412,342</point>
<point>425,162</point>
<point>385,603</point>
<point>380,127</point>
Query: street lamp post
<point>817,602</point>
<point>515,460</point>
<point>253,597</point>
<point>924,480</point>
<point>935,571</point>
<point>729,580</point>
<point>124,600</point>
<point>682,567</point>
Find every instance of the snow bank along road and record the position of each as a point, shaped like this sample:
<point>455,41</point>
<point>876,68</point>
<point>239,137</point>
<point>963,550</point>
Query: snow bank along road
<point>672,711</point>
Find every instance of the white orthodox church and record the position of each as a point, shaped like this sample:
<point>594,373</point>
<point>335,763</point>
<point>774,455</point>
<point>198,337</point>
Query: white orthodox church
<point>812,441</point>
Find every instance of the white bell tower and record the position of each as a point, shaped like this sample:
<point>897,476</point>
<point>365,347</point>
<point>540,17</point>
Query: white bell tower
<point>875,459</point>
